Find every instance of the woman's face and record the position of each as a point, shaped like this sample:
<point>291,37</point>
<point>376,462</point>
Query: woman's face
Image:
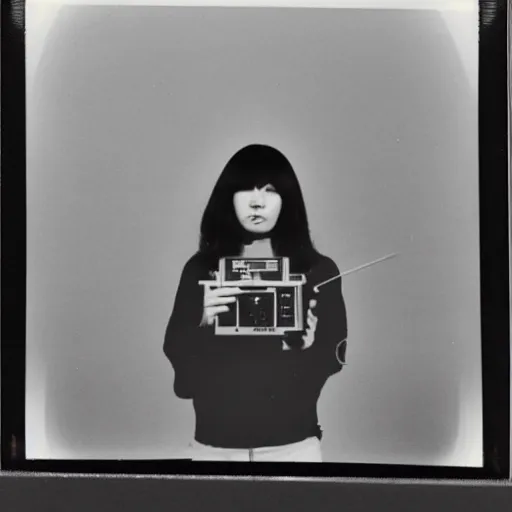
<point>258,209</point>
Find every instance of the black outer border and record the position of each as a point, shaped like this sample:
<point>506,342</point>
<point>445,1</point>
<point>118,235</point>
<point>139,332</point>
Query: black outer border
<point>13,236</point>
<point>495,230</point>
<point>494,262</point>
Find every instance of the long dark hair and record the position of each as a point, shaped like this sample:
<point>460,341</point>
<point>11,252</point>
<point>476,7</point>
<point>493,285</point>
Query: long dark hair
<point>256,166</point>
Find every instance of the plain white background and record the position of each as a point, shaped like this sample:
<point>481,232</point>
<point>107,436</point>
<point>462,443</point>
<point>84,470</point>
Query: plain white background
<point>133,111</point>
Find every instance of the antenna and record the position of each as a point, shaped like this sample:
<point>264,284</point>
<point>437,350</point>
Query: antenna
<point>356,269</point>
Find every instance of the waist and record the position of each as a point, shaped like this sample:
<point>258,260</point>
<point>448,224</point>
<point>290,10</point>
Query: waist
<point>306,450</point>
<point>260,421</point>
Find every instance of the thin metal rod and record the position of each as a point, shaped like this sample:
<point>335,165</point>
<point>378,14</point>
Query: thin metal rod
<point>389,256</point>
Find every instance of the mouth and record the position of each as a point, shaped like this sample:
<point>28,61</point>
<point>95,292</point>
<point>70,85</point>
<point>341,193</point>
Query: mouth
<point>257,219</point>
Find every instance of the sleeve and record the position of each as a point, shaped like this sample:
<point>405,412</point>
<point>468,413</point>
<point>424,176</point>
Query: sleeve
<point>331,333</point>
<point>184,338</point>
<point>326,356</point>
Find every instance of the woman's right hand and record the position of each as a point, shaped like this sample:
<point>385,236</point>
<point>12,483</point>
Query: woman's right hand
<point>216,301</point>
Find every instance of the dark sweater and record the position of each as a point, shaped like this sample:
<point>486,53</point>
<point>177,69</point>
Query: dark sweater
<point>247,391</point>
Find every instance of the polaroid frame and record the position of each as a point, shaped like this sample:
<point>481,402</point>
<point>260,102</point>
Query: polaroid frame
<point>262,485</point>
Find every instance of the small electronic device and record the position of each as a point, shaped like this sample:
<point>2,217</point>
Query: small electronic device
<point>271,298</point>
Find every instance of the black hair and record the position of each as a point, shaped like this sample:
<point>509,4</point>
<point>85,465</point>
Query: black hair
<point>222,234</point>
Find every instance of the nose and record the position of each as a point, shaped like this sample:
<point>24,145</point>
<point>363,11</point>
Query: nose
<point>257,199</point>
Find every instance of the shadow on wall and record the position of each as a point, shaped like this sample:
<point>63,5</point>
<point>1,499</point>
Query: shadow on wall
<point>114,80</point>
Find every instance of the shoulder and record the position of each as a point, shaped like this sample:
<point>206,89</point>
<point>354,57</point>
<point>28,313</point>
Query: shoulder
<point>196,266</point>
<point>324,267</point>
<point>326,264</point>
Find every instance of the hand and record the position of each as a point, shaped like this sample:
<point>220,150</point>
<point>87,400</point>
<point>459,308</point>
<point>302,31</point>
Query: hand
<point>312,320</point>
<point>216,301</point>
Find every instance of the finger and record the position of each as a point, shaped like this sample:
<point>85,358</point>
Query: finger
<point>217,301</point>
<point>285,345</point>
<point>226,292</point>
<point>312,303</point>
<point>215,310</point>
<point>309,332</point>
<point>308,339</point>
<point>311,324</point>
<point>312,317</point>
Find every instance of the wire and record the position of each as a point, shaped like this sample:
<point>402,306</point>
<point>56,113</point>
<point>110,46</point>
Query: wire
<point>355,269</point>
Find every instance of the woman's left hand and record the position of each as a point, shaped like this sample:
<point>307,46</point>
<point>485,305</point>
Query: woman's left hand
<point>309,337</point>
<point>312,321</point>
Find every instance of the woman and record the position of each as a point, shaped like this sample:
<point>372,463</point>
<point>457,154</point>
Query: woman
<point>255,397</point>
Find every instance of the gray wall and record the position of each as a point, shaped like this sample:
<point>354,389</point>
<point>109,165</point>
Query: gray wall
<point>132,114</point>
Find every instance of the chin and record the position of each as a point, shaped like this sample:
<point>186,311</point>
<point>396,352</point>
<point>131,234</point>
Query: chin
<point>258,231</point>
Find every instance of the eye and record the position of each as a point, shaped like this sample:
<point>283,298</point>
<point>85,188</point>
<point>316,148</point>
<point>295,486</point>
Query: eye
<point>270,188</point>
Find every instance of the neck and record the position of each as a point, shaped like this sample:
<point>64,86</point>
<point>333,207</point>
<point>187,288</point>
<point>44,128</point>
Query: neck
<point>259,248</point>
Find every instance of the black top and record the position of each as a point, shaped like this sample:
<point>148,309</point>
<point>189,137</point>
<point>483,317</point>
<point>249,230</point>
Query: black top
<point>246,390</point>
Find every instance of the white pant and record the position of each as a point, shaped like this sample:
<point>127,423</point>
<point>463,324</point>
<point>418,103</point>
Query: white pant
<point>303,451</point>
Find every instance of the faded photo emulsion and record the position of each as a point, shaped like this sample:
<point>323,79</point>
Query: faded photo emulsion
<point>252,234</point>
